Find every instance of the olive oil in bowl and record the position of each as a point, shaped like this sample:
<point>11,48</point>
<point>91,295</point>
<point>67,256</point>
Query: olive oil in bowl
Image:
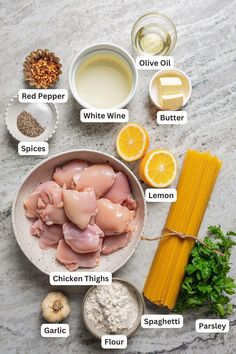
<point>151,39</point>
<point>153,34</point>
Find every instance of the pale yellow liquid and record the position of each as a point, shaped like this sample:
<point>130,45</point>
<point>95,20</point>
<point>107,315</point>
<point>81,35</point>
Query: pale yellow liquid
<point>151,39</point>
<point>104,80</point>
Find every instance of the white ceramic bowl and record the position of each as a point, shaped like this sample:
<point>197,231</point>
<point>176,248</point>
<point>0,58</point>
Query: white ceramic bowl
<point>154,91</point>
<point>14,108</point>
<point>46,260</point>
<point>141,305</point>
<point>95,48</point>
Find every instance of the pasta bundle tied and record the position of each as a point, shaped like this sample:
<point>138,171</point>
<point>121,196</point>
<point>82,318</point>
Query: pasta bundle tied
<point>194,188</point>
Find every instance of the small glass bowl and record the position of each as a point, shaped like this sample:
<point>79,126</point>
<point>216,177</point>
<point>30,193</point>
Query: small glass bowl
<point>161,26</point>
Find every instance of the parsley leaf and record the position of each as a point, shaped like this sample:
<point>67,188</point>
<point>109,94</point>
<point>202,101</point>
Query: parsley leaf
<point>206,281</point>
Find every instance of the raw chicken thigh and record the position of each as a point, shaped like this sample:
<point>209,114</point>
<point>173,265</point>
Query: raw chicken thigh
<point>52,214</point>
<point>49,236</point>
<point>120,192</point>
<point>113,218</point>
<point>63,175</point>
<point>100,177</point>
<point>73,260</point>
<point>31,204</point>
<point>115,242</point>
<point>47,188</point>
<point>83,241</point>
<point>43,186</point>
<point>80,207</point>
<point>46,202</point>
<point>44,191</point>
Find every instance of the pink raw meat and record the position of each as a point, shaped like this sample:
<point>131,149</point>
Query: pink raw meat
<point>98,176</point>
<point>80,207</point>
<point>115,242</point>
<point>64,174</point>
<point>49,236</point>
<point>31,202</point>
<point>120,192</point>
<point>113,218</point>
<point>52,211</point>
<point>73,260</point>
<point>83,241</point>
<point>46,202</point>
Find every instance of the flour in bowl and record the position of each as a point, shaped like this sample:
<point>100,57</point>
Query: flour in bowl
<point>112,308</point>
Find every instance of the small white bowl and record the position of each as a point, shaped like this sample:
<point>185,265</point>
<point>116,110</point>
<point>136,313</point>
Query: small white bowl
<point>96,332</point>
<point>154,90</point>
<point>80,57</point>
<point>14,108</point>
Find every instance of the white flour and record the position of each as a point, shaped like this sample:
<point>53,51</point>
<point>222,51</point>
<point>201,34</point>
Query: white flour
<point>112,308</point>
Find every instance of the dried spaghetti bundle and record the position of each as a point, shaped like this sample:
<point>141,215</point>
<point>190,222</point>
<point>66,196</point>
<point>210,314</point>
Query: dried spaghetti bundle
<point>195,185</point>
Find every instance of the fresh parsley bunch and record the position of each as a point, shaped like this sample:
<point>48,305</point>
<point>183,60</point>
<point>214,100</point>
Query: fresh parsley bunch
<point>206,281</point>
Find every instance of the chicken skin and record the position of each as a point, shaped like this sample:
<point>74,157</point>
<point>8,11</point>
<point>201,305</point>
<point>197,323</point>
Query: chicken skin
<point>120,192</point>
<point>80,207</point>
<point>63,175</point>
<point>113,218</point>
<point>98,176</point>
<point>46,202</point>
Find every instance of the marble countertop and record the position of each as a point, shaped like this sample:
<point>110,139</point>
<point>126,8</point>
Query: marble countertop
<point>206,52</point>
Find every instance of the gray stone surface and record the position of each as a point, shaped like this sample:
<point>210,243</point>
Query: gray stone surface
<point>206,52</point>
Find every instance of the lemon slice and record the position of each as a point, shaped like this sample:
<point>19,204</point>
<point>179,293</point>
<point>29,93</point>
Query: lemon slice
<point>132,142</point>
<point>158,168</point>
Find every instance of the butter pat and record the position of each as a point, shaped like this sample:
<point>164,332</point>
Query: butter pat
<point>172,102</point>
<point>170,85</point>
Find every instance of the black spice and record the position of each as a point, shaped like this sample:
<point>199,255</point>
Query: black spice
<point>28,125</point>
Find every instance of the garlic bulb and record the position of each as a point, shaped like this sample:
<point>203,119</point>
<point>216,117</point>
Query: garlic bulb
<point>55,307</point>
